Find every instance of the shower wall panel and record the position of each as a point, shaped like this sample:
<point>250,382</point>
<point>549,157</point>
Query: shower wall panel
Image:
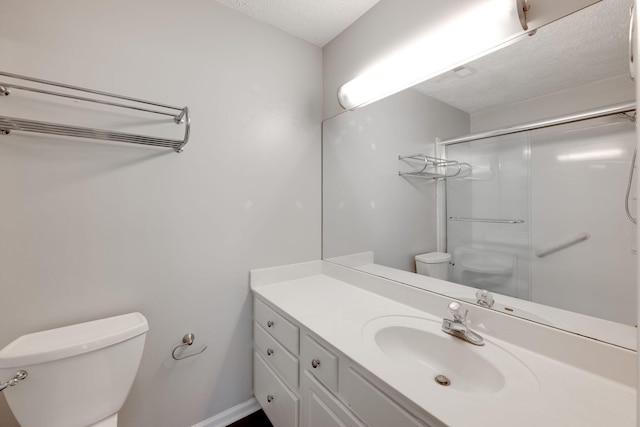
<point>579,178</point>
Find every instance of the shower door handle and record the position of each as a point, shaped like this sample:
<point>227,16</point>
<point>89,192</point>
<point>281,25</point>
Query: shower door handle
<point>580,237</point>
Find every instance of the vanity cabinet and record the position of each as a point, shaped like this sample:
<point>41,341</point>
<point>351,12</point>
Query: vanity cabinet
<point>300,381</point>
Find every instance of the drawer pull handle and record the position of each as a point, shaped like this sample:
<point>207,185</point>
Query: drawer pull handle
<point>270,398</point>
<point>269,351</point>
<point>315,363</point>
<point>269,324</point>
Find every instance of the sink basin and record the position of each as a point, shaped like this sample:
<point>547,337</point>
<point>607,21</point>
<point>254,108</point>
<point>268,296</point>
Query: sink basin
<point>420,349</point>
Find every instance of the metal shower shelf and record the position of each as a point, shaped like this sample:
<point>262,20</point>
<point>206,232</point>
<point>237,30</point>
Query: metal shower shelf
<point>431,167</point>
<point>180,115</point>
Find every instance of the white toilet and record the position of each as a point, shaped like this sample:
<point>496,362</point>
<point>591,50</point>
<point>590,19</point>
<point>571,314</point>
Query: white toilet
<point>433,264</point>
<point>77,376</point>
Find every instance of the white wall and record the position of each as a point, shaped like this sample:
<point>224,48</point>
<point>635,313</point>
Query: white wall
<point>91,230</point>
<point>367,206</point>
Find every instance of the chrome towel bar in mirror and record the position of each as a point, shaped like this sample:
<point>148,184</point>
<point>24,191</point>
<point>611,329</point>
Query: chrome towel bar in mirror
<point>431,167</point>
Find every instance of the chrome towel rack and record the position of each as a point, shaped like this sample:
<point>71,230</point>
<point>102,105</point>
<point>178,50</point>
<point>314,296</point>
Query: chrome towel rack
<point>180,115</point>
<point>491,220</point>
<point>431,167</point>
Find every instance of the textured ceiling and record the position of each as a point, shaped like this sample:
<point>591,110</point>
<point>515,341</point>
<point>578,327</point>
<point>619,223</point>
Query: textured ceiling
<point>585,47</point>
<point>316,21</point>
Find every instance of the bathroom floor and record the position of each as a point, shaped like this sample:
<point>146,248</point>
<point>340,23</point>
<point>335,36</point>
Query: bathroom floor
<point>257,419</point>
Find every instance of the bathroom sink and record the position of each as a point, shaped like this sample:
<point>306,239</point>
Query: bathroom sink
<point>419,349</point>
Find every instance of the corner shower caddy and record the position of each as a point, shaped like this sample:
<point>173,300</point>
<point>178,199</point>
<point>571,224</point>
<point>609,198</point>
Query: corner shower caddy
<point>431,167</point>
<point>180,115</point>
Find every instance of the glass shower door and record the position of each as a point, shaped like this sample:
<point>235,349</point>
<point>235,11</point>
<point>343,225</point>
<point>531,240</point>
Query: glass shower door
<point>488,215</point>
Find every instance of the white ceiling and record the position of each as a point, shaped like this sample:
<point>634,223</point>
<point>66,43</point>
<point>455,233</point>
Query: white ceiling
<point>316,21</point>
<point>585,47</point>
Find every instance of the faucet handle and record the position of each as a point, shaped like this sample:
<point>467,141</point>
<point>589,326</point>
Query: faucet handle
<point>484,298</point>
<point>459,314</point>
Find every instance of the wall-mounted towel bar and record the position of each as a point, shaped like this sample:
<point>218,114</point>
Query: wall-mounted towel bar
<point>495,221</point>
<point>180,115</point>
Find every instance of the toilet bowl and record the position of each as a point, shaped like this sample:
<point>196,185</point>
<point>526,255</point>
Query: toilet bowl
<point>433,264</point>
<point>485,269</point>
<point>78,375</point>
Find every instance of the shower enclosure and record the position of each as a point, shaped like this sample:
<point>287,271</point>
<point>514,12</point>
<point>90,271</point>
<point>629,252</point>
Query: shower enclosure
<point>540,215</point>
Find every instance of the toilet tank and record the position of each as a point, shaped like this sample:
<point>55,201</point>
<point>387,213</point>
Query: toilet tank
<point>77,375</point>
<point>433,264</point>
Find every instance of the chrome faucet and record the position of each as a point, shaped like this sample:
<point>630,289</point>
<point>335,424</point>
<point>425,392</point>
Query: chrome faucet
<point>484,298</point>
<point>458,326</point>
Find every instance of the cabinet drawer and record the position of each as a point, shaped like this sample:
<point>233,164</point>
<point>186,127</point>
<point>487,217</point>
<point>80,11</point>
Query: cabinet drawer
<point>276,355</point>
<point>372,405</point>
<point>280,404</point>
<point>321,409</point>
<point>285,332</point>
<point>320,362</point>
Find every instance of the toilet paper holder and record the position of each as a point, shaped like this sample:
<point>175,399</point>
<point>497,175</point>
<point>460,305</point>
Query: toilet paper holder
<point>187,340</point>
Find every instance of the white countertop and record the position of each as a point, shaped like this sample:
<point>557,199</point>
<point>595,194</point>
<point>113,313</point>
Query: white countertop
<point>337,312</point>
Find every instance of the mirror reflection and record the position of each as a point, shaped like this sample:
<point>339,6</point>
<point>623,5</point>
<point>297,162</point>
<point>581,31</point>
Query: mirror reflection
<point>537,218</point>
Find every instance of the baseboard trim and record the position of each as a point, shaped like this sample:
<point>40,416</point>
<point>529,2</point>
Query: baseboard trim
<point>230,416</point>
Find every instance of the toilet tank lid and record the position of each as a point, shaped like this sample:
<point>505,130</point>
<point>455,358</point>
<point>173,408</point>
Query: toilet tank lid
<point>434,257</point>
<point>59,343</point>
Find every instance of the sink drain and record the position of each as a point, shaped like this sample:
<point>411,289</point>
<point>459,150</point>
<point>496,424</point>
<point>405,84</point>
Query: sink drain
<point>442,380</point>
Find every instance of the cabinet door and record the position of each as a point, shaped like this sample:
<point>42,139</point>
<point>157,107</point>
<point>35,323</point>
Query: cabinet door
<point>321,409</point>
<point>372,405</point>
<point>278,402</point>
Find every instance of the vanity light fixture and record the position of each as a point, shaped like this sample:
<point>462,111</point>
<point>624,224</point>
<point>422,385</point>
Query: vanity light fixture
<point>523,7</point>
<point>480,28</point>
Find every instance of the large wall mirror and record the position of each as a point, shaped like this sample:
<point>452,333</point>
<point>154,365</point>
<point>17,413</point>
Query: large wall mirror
<point>537,218</point>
